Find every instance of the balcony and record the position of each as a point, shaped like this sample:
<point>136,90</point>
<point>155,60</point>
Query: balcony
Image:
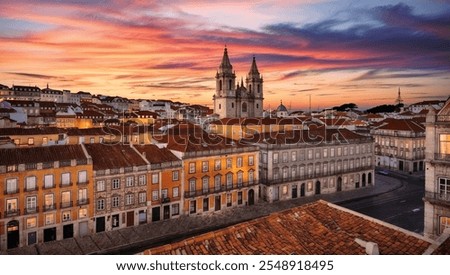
<point>82,202</point>
<point>31,189</point>
<point>49,186</point>
<point>31,210</point>
<point>49,207</point>
<point>66,204</point>
<point>165,200</point>
<point>214,190</point>
<point>69,184</point>
<point>442,157</point>
<point>437,198</point>
<point>12,212</point>
<point>83,182</point>
<point>11,191</point>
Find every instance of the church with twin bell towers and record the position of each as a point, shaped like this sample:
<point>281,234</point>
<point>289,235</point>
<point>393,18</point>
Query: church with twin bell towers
<point>233,100</point>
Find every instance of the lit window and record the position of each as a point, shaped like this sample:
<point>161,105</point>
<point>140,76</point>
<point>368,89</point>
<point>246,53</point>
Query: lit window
<point>205,165</point>
<point>251,160</point>
<point>31,222</point>
<point>217,164</point>
<point>191,167</point>
<point>100,185</point>
<point>82,213</point>
<point>50,218</point>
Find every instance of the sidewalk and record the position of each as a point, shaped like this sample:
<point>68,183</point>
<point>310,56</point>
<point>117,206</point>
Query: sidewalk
<point>133,240</point>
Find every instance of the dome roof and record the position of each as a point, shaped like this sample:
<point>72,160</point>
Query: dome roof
<point>282,108</point>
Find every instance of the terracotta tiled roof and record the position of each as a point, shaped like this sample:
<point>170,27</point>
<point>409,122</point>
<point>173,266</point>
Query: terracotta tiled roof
<point>444,248</point>
<point>314,135</point>
<point>90,131</point>
<point>156,155</point>
<point>401,125</point>
<point>41,154</point>
<point>30,131</point>
<point>115,156</point>
<point>317,228</point>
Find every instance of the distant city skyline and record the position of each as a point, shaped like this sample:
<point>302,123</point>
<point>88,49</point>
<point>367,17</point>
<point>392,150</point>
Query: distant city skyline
<point>334,51</point>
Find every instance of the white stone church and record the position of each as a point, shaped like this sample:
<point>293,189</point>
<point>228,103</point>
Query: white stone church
<point>233,100</point>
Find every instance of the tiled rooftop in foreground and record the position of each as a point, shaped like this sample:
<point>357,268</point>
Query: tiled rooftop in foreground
<point>317,228</point>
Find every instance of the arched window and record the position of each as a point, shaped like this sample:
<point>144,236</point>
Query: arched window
<point>232,104</point>
<point>259,88</point>
<point>220,85</point>
<point>229,84</point>
<point>244,107</point>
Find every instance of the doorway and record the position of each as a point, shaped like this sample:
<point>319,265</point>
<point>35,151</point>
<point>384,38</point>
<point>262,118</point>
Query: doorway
<point>13,234</point>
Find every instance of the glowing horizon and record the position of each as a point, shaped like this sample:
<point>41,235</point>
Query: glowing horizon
<point>336,52</point>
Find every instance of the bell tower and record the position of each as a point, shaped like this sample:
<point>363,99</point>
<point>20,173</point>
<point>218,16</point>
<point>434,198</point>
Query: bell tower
<point>254,82</point>
<point>225,95</point>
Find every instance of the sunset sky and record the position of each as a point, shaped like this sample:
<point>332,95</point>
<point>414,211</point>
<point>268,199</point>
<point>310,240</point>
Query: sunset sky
<point>336,51</point>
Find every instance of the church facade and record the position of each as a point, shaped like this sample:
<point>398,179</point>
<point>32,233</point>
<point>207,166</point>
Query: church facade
<point>234,100</point>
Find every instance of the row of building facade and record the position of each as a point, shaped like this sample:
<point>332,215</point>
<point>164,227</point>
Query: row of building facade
<point>64,191</point>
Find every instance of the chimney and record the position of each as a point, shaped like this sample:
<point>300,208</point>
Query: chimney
<point>371,248</point>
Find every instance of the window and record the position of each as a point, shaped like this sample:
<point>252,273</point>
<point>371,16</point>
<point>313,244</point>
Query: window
<point>48,181</point>
<point>294,172</point>
<point>192,207</point>
<point>66,216</point>
<point>49,218</point>
<point>175,209</point>
<point>339,151</point>
<point>82,177</point>
<point>251,177</point>
<point>444,188</point>
<point>217,164</point>
<point>175,192</point>
<point>82,213</point>
<point>65,199</point>
<point>276,173</point>
<point>229,163</point>
<point>30,183</point>
<point>31,222</point>
<point>285,157</point>
<point>164,193</point>
<point>129,199</point>
<point>345,150</point>
<point>155,195</point>
<point>129,181</point>
<point>11,206</point>
<point>205,165</point>
<point>240,178</point>
<point>155,178</point>
<point>239,162</point>
<point>101,204</point>
<point>142,197</point>
<point>444,222</point>
<point>92,140</point>
<point>217,183</point>
<point>49,202</point>
<point>100,185</point>
<point>115,183</point>
<point>251,160</point>
<point>65,179</point>
<point>191,167</point>
<point>229,203</point>
<point>444,144</point>
<point>30,141</point>
<point>192,186</point>
<point>318,153</point>
<point>142,179</point>
<point>294,156</point>
<point>175,175</point>
<point>205,184</point>
<point>82,196</point>
<point>205,204</point>
<point>239,198</point>
<point>229,181</point>
<point>310,154</point>
<point>285,173</point>
<point>115,201</point>
<point>31,204</point>
<point>275,157</point>
<point>325,152</point>
<point>11,186</point>
<point>332,152</point>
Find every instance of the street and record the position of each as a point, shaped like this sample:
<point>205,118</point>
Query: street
<point>402,207</point>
